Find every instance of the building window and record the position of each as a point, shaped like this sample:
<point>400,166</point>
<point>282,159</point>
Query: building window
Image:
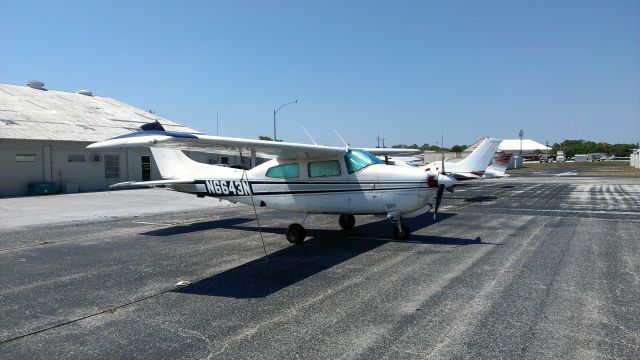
<point>75,158</point>
<point>224,160</point>
<point>285,171</point>
<point>111,166</point>
<point>25,157</point>
<point>324,168</point>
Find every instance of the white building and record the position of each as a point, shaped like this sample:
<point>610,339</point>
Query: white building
<point>44,134</point>
<point>634,160</point>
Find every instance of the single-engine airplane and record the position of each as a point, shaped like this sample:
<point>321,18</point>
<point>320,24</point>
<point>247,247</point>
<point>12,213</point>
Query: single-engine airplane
<point>308,179</point>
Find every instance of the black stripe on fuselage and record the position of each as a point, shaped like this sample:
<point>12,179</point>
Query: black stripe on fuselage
<point>399,185</point>
<point>267,193</point>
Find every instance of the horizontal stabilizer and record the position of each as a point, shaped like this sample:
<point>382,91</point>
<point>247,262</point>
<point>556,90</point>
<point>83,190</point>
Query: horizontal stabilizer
<point>144,184</point>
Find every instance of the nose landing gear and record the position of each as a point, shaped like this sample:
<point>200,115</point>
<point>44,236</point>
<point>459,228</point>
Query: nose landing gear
<point>401,232</point>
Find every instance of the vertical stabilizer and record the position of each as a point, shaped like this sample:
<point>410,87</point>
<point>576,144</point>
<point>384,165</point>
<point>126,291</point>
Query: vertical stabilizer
<point>480,158</point>
<point>174,164</point>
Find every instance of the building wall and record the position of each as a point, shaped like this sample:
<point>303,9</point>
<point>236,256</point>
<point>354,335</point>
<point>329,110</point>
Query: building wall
<point>88,174</point>
<point>15,175</point>
<point>431,156</point>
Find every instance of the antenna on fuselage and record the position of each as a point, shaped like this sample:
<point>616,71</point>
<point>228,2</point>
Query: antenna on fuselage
<point>309,135</point>
<point>341,139</point>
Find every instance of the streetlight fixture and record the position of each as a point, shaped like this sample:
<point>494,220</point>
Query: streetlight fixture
<point>275,111</point>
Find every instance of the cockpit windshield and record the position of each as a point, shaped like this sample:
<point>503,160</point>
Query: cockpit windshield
<point>357,160</point>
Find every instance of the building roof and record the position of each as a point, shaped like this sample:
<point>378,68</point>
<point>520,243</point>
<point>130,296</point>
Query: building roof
<point>474,145</point>
<point>32,114</point>
<point>527,145</point>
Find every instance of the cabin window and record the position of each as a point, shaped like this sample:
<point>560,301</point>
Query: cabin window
<point>111,166</point>
<point>357,160</point>
<point>284,171</point>
<point>324,168</point>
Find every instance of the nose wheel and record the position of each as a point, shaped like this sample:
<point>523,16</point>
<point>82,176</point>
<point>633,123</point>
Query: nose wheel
<point>296,233</point>
<point>347,222</point>
<point>401,232</point>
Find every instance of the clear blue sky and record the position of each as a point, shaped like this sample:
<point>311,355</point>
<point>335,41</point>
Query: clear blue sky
<point>407,70</point>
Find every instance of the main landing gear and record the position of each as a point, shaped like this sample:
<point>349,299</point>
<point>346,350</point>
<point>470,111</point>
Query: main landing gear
<point>296,232</point>
<point>347,222</point>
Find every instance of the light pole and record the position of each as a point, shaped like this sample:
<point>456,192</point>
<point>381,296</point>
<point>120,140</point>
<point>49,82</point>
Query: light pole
<point>521,134</point>
<point>275,111</point>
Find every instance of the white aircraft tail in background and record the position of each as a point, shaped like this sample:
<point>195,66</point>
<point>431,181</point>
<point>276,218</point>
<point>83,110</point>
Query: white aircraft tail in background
<point>471,167</point>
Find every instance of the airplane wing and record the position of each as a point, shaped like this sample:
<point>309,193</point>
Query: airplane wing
<point>219,144</point>
<point>392,151</point>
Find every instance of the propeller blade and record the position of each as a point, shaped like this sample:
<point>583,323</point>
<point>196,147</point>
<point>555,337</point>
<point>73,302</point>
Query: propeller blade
<point>438,200</point>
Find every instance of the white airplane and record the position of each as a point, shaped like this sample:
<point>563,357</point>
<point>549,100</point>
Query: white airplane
<point>473,166</point>
<point>498,167</point>
<point>309,179</point>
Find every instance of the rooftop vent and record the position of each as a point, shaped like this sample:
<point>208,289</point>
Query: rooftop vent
<point>84,92</point>
<point>35,84</point>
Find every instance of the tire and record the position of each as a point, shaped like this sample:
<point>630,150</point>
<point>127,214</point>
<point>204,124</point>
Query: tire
<point>347,222</point>
<point>401,235</point>
<point>296,233</point>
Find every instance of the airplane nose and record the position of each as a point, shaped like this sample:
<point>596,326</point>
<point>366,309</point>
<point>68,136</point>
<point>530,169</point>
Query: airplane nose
<point>436,179</point>
<point>446,180</point>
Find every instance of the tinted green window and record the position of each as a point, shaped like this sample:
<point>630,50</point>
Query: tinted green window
<point>284,171</point>
<point>358,159</point>
<point>324,168</point>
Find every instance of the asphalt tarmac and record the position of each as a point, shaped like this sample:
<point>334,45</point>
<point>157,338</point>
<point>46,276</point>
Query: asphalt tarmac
<point>516,268</point>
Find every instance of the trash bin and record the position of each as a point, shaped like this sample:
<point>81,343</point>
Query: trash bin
<point>41,188</point>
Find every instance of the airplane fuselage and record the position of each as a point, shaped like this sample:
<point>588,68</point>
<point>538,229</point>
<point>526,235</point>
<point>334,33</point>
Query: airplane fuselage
<point>375,189</point>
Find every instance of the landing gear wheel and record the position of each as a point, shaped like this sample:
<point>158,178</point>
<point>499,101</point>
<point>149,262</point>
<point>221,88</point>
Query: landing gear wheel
<point>347,221</point>
<point>296,233</point>
<point>401,235</point>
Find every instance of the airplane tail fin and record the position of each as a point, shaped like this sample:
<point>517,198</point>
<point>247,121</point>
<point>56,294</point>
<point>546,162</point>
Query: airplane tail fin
<point>500,163</point>
<point>174,164</point>
<point>478,161</point>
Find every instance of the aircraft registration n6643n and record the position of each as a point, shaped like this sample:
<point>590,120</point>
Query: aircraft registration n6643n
<point>303,178</point>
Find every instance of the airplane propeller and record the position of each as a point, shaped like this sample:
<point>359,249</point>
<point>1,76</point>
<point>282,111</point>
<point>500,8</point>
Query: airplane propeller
<point>445,182</point>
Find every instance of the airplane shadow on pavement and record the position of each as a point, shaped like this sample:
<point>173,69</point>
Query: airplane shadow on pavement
<point>323,250</point>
